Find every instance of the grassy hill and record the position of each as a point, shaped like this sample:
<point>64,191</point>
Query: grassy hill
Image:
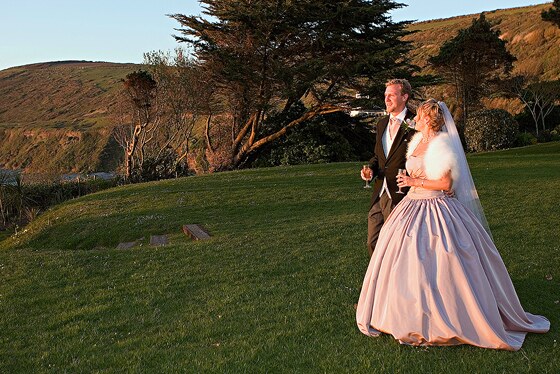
<point>74,95</point>
<point>58,116</point>
<point>272,291</point>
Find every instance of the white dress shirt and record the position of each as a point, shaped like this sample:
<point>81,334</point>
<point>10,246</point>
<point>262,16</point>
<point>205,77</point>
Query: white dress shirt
<point>388,143</point>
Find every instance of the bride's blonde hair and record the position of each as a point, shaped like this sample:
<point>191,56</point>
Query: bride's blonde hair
<point>431,109</point>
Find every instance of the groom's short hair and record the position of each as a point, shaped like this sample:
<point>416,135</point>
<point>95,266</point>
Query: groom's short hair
<point>406,88</point>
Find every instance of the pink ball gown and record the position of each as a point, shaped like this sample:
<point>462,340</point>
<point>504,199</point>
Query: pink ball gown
<point>436,278</point>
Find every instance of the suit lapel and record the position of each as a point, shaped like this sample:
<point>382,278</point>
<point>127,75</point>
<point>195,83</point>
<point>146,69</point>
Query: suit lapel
<point>399,136</point>
<point>381,127</point>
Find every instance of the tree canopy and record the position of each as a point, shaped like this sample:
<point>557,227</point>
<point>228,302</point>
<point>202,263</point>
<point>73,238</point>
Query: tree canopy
<point>472,61</point>
<point>552,14</point>
<point>263,57</point>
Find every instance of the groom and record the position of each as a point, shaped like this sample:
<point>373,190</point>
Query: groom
<point>389,155</point>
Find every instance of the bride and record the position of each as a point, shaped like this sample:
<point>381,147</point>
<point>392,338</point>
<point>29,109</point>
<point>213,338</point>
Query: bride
<point>436,277</point>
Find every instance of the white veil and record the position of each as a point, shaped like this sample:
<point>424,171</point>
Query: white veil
<point>464,188</point>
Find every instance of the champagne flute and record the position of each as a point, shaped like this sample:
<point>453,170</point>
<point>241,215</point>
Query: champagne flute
<point>403,173</point>
<point>366,175</point>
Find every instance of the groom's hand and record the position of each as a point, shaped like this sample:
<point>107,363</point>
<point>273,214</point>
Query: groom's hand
<point>362,175</point>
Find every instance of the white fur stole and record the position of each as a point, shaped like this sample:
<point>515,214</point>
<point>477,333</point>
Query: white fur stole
<point>439,157</point>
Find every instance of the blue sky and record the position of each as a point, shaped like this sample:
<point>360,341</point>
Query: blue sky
<point>123,30</point>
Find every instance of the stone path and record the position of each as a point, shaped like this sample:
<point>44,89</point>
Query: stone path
<point>194,231</point>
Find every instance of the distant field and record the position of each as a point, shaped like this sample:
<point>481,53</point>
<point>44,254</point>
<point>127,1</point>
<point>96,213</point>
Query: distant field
<point>67,95</point>
<point>272,291</point>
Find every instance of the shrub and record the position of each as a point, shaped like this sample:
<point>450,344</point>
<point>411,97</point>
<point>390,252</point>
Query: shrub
<point>525,138</point>
<point>165,166</point>
<point>555,133</point>
<point>544,136</point>
<point>20,203</point>
<point>549,135</point>
<point>491,129</point>
<point>527,123</point>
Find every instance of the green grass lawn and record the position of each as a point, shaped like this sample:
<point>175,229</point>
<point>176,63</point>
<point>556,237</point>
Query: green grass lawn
<point>272,291</point>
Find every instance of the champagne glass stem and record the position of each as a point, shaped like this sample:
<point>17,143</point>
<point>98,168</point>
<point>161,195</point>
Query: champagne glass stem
<point>401,172</point>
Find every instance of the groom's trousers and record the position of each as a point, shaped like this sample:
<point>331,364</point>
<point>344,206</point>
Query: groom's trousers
<point>377,215</point>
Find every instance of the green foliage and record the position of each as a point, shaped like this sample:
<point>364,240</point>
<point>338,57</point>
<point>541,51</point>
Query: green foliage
<point>262,56</point>
<point>271,291</point>
<point>141,88</point>
<point>330,138</point>
<point>472,60</point>
<point>21,203</point>
<point>539,99</point>
<point>526,121</point>
<point>492,129</point>
<point>524,139</point>
<point>549,135</point>
<point>313,143</point>
<point>553,14</point>
<point>555,133</point>
<point>164,166</point>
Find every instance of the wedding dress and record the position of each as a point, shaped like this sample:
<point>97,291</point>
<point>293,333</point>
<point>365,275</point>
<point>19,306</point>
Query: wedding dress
<point>436,277</point>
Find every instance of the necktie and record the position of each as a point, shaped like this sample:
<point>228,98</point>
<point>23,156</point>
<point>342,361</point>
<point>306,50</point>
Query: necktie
<point>394,124</point>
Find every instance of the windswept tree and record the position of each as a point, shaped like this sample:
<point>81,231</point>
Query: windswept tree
<point>184,98</point>
<point>166,101</point>
<point>473,61</point>
<point>552,14</point>
<point>263,57</point>
<point>141,91</point>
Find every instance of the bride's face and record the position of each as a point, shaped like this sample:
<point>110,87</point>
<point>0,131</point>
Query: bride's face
<point>421,121</point>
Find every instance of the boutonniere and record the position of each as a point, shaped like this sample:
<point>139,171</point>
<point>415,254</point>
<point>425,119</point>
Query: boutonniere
<point>408,125</point>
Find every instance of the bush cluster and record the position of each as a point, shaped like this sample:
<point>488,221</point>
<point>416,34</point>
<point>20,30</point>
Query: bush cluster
<point>491,129</point>
<point>555,134</point>
<point>549,135</point>
<point>21,203</point>
<point>524,139</point>
<point>527,123</point>
<point>165,166</point>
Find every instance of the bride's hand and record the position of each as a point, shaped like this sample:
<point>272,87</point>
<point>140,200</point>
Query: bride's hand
<point>404,181</point>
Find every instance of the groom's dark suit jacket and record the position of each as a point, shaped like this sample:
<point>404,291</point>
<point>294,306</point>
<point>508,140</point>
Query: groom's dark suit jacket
<point>388,166</point>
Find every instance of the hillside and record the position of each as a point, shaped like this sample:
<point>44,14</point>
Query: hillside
<point>58,104</point>
<point>76,95</point>
<point>58,116</point>
<point>535,43</point>
<point>271,291</point>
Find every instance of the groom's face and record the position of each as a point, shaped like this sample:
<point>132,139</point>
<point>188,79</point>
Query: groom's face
<point>394,99</point>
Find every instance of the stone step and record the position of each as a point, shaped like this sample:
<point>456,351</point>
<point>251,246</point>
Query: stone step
<point>126,245</point>
<point>196,232</point>
<point>158,240</point>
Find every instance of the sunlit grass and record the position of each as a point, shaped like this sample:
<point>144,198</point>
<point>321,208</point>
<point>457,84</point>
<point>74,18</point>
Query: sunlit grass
<point>272,291</point>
